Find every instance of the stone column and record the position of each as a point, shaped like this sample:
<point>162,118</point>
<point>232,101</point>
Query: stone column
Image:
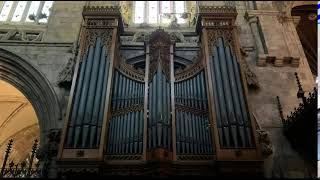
<point>253,21</point>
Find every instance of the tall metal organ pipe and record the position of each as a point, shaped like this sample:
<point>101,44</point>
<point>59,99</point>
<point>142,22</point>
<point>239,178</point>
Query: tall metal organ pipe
<point>125,131</point>
<point>86,116</point>
<point>231,112</point>
<point>192,124</point>
<point>159,106</point>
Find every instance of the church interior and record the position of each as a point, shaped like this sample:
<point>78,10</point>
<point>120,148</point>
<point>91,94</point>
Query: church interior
<point>158,89</point>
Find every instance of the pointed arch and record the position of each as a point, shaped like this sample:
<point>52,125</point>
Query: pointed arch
<point>35,86</point>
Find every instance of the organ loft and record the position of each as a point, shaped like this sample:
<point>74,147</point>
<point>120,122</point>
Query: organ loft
<point>163,88</point>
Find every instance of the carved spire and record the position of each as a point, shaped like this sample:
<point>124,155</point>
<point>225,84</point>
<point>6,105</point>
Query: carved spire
<point>6,156</point>
<point>300,93</point>
<point>280,110</point>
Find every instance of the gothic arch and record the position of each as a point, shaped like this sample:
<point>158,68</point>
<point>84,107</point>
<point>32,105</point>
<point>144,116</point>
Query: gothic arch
<point>301,3</point>
<point>286,7</point>
<point>35,86</point>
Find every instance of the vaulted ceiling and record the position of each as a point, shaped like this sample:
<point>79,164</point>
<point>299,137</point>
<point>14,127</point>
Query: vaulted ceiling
<point>18,121</point>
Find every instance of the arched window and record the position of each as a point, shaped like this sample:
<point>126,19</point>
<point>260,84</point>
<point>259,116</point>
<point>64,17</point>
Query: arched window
<point>159,12</point>
<point>25,11</point>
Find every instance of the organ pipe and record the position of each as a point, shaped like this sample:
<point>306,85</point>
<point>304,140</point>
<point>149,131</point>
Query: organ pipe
<point>88,103</point>
<point>229,103</point>
<point>193,136</point>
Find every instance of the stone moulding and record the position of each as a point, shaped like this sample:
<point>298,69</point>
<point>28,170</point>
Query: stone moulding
<point>278,61</point>
<point>21,35</point>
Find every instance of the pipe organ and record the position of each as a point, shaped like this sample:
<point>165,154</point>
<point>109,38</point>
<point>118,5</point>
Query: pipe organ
<point>126,123</point>
<point>84,129</point>
<point>231,113</point>
<point>159,110</point>
<point>125,114</point>
<point>194,136</point>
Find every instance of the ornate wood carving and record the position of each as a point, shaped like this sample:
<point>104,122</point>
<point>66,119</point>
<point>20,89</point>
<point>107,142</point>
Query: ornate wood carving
<point>195,157</point>
<point>227,11</point>
<point>101,11</point>
<point>189,71</point>
<point>98,22</point>
<point>133,108</point>
<point>184,108</point>
<point>218,25</point>
<point>122,157</point>
<point>160,42</point>
<point>129,71</point>
<point>88,38</point>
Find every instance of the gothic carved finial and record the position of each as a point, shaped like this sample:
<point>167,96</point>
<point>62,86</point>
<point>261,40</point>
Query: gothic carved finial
<point>280,110</point>
<point>300,93</point>
<point>6,156</point>
<point>160,42</point>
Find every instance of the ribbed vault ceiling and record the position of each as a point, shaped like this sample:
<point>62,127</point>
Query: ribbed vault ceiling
<point>18,121</point>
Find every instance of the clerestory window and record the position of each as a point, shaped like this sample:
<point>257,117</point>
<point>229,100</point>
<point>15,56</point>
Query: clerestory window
<point>25,11</point>
<point>159,12</point>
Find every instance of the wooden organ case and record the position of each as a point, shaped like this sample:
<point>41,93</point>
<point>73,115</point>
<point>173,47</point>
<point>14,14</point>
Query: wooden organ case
<point>158,120</point>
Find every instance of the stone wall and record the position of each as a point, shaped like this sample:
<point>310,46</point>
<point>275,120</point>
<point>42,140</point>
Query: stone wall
<point>281,41</point>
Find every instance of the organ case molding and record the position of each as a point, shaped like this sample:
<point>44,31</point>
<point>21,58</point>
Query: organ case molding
<point>215,23</point>
<point>104,23</point>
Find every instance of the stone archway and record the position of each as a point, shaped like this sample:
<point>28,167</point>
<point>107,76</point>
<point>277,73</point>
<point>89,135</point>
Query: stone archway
<point>307,31</point>
<point>34,85</point>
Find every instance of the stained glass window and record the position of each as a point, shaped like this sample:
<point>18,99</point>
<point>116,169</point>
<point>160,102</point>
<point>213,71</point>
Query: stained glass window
<point>158,12</point>
<point>20,11</point>
<point>5,10</point>
<point>33,10</point>
<point>179,9</point>
<point>153,12</point>
<point>139,11</point>
<point>45,10</point>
